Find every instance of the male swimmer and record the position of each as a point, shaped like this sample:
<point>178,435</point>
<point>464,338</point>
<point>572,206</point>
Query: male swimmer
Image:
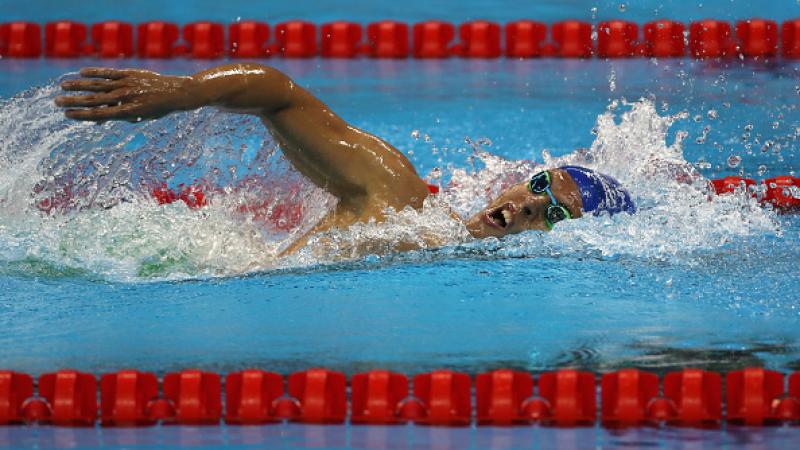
<point>365,173</point>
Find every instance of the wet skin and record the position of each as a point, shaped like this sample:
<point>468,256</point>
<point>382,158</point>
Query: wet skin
<point>364,172</point>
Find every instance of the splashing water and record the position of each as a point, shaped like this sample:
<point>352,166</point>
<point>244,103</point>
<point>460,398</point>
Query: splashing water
<point>76,197</point>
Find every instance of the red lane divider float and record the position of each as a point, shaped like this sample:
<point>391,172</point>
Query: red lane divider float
<point>757,37</point>
<point>112,39</point>
<point>65,39</point>
<point>781,193</point>
<point>570,397</point>
<point>432,39</point>
<point>664,39</point>
<point>709,38</point>
<point>573,39</point>
<point>248,39</point>
<point>387,39</point>
<point>126,398</point>
<point>157,40</point>
<point>20,40</point>
<point>790,39</point>
<point>296,39</point>
<point>15,389</point>
<point>564,398</point>
<point>341,40</point>
<point>479,39</point>
<point>204,40</point>
<point>376,397</point>
<point>525,39</point>
<point>617,39</point>
<point>501,397</point>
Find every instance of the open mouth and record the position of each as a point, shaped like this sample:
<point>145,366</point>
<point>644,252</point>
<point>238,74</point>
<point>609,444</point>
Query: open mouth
<point>500,217</point>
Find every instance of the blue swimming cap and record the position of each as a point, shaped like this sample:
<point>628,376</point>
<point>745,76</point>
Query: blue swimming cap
<point>600,193</point>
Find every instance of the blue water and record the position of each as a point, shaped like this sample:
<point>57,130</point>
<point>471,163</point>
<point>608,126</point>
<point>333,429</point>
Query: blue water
<point>395,437</point>
<point>413,10</point>
<point>517,305</point>
<point>718,293</point>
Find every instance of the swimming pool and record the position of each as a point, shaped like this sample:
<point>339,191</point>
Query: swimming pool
<point>535,302</point>
<point>708,284</point>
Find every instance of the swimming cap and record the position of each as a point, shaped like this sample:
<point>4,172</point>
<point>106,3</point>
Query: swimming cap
<point>600,193</point>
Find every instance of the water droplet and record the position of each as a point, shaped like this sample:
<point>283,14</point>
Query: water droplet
<point>712,114</point>
<point>748,127</point>
<point>734,161</point>
<point>700,140</point>
<point>426,138</point>
<point>697,118</point>
<point>762,169</point>
<point>415,134</point>
<point>776,125</point>
<point>621,7</point>
<point>612,81</point>
<point>726,105</point>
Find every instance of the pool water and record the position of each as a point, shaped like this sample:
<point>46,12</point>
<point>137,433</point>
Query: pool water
<point>112,280</point>
<point>82,290</point>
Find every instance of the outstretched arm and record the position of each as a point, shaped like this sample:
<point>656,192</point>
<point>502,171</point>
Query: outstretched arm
<point>353,165</point>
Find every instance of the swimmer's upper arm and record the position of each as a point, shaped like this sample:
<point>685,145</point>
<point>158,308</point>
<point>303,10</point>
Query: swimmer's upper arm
<point>350,163</point>
<point>337,156</point>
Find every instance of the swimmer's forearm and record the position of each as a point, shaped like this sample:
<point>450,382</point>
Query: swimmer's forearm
<point>135,95</point>
<point>246,88</point>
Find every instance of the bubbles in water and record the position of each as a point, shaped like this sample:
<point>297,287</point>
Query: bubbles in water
<point>702,164</point>
<point>748,127</point>
<point>762,169</point>
<point>776,125</point>
<point>621,7</point>
<point>712,114</point>
<point>415,134</point>
<point>734,161</point>
<point>426,138</point>
<point>612,80</point>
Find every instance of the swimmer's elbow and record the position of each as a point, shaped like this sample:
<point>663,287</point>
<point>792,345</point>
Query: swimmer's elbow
<point>246,87</point>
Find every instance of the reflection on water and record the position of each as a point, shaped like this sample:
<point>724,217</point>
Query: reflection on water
<point>396,437</point>
<point>662,358</point>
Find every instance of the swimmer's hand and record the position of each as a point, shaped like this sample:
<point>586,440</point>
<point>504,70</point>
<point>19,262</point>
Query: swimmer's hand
<point>132,95</point>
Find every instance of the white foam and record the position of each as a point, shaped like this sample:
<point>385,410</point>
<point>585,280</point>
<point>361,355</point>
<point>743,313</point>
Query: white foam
<point>110,227</point>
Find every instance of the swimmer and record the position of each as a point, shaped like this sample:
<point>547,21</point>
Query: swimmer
<point>365,173</point>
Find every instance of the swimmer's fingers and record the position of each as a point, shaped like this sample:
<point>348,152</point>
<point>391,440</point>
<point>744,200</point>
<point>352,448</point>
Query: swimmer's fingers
<point>111,74</point>
<point>89,85</point>
<point>100,114</point>
<point>82,101</point>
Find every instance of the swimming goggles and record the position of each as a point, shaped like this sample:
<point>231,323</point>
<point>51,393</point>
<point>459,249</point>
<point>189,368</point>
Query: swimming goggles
<point>556,212</point>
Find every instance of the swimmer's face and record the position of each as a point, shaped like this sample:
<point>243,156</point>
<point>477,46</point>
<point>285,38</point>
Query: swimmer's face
<point>517,209</point>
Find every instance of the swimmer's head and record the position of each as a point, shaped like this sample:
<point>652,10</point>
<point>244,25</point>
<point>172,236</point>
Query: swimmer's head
<point>529,206</point>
